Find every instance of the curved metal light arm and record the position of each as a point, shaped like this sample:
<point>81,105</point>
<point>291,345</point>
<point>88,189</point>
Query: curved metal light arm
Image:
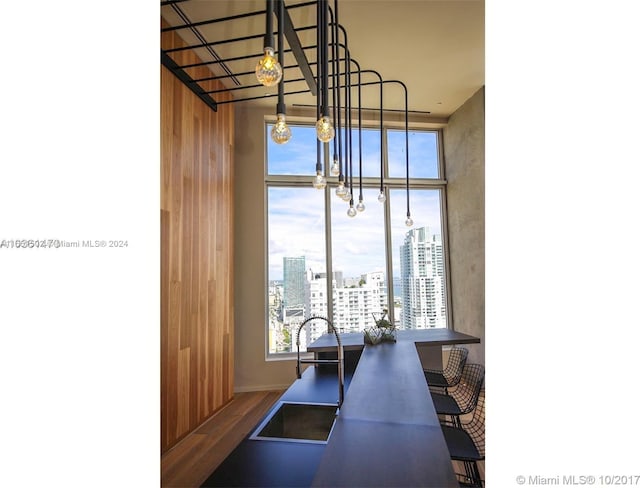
<point>280,107</point>
<point>406,136</point>
<point>335,63</point>
<point>347,113</point>
<point>349,61</point>
<point>268,36</point>
<point>336,89</point>
<point>347,116</point>
<point>325,58</point>
<point>319,81</point>
<point>381,82</point>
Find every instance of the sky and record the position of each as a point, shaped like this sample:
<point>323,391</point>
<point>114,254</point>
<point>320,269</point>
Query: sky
<point>298,156</point>
<point>296,215</point>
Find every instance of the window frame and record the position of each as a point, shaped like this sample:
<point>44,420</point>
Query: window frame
<point>389,183</point>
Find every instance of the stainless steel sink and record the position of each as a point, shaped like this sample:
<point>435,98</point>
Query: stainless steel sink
<point>298,422</point>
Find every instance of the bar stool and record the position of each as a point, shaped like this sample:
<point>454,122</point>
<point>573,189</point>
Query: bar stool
<point>463,397</point>
<point>466,444</point>
<point>443,379</point>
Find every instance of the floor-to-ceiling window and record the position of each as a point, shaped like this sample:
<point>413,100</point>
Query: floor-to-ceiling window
<point>354,270</point>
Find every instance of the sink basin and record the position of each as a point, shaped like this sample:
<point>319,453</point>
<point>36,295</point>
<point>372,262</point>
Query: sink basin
<point>298,422</point>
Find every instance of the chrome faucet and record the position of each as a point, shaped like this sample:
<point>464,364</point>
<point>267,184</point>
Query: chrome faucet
<point>339,361</point>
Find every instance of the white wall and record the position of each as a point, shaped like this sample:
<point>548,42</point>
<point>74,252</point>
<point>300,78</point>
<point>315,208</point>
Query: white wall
<point>252,372</point>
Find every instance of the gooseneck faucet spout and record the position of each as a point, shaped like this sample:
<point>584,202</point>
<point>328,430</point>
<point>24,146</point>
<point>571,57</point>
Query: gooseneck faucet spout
<point>339,361</point>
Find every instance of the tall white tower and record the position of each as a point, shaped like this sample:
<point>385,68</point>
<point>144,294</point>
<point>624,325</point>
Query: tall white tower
<point>423,280</point>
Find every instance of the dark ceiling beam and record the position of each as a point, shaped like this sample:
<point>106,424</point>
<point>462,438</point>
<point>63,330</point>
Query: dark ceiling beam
<point>298,52</point>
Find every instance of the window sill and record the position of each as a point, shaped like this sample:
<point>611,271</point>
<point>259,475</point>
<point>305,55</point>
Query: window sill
<point>287,356</point>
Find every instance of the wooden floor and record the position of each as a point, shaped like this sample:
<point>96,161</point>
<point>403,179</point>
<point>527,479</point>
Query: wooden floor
<point>194,458</point>
<point>190,462</point>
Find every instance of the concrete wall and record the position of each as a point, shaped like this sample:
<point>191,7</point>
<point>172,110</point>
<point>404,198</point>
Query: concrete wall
<point>464,171</point>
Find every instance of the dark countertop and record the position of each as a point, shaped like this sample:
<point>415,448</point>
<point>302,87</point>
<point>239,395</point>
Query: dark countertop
<point>387,432</point>
<point>279,464</point>
<point>389,386</point>
<point>365,453</point>
<point>430,337</point>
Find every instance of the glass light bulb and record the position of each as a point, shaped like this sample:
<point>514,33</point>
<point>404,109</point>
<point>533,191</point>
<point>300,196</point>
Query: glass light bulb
<point>335,169</point>
<point>409,221</point>
<point>347,195</point>
<point>324,129</point>
<point>319,182</point>
<point>268,70</point>
<point>351,212</point>
<point>340,190</point>
<point>360,206</point>
<point>381,197</point>
<point>280,132</point>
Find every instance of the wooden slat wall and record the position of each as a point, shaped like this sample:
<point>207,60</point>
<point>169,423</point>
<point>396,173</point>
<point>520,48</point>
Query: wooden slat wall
<point>196,253</point>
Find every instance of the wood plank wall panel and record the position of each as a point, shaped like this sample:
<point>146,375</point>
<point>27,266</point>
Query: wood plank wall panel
<point>196,253</point>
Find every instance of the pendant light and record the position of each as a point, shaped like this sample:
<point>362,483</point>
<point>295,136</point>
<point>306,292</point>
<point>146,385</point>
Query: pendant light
<point>280,132</point>
<point>347,132</point>
<point>340,189</point>
<point>324,127</point>
<point>409,221</point>
<point>348,193</point>
<point>360,206</point>
<point>381,196</point>
<point>319,181</point>
<point>335,166</point>
<point>268,70</point>
<point>351,212</point>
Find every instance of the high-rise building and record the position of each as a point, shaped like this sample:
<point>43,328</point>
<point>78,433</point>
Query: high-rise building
<point>423,280</point>
<point>358,306</point>
<point>357,303</point>
<point>293,283</point>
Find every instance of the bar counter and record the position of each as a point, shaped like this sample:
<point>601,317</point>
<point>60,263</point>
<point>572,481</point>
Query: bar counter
<point>387,432</point>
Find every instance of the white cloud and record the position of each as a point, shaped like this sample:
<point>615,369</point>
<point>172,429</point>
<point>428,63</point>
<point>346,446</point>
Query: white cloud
<point>297,221</point>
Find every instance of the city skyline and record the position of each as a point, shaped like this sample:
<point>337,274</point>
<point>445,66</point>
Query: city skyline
<point>358,300</point>
<point>363,246</point>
